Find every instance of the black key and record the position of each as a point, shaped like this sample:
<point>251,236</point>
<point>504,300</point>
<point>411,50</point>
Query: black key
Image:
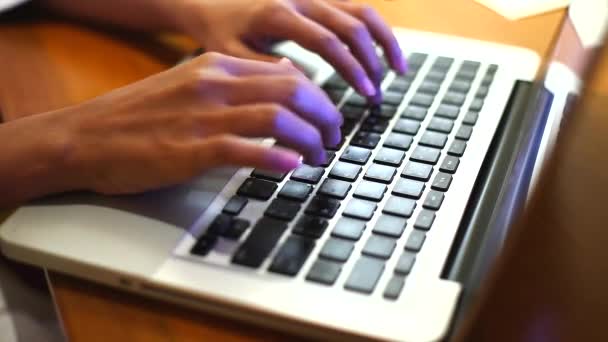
<point>406,126</point>
<point>384,111</point>
<point>422,100</point>
<point>399,206</point>
<point>282,209</point>
<point>408,188</point>
<point>292,255</point>
<point>204,245</point>
<point>405,263</point>
<point>366,139</point>
<point>346,129</point>
<point>325,272</point>
<point>379,246</point>
<point>335,188</point>
<point>427,155</point>
<point>357,155</point>
<point>476,105</point>
<point>370,191</point>
<point>415,241</point>
<point>470,65</point>
<point>352,112</point>
<point>236,229</point>
<point>457,148</point>
<point>260,242</point>
<point>441,125</point>
<point>380,173</point>
<point>433,139</point>
<point>392,98</point>
<point>374,124</point>
<point>447,111</point>
<point>487,80</point>
<point>357,100</point>
<point>335,95</point>
<point>453,98</point>
<point>345,171</point>
<point>268,175</point>
<point>433,200</point>
<point>466,74</point>
<point>335,82</point>
<point>443,63</point>
<point>417,171</point>
<point>219,225</point>
<point>394,287</point>
<point>295,191</point>
<point>492,69</point>
<point>257,188</point>
<point>414,112</point>
<point>460,86</point>
<point>470,118</point>
<point>310,226</point>
<point>449,164</point>
<point>390,225</point>
<point>400,85</point>
<point>349,228</point>
<point>389,156</point>
<point>337,249</point>
<point>482,92</point>
<point>235,205</point>
<point>329,155</point>
<point>425,220</point>
<point>442,182</point>
<point>360,209</point>
<point>398,141</point>
<point>322,206</point>
<point>429,87</point>
<point>435,75</point>
<point>416,59</point>
<point>336,147</point>
<point>308,174</point>
<point>464,132</point>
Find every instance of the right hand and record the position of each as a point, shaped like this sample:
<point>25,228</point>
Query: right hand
<point>173,126</point>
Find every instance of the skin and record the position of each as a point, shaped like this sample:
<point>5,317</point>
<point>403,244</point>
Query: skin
<point>173,126</point>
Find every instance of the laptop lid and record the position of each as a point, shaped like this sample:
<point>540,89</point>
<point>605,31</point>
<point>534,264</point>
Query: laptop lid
<point>549,282</point>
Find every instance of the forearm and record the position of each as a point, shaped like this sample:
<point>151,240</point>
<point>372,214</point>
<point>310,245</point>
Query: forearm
<point>33,160</point>
<point>141,15</point>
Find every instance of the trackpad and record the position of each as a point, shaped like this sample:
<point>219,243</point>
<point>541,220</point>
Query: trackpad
<point>179,206</point>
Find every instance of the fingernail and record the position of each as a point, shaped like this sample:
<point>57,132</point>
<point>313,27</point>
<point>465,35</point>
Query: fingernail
<point>284,160</point>
<point>402,65</point>
<point>285,61</point>
<point>368,88</point>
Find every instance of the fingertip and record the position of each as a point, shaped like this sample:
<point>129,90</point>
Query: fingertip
<point>367,87</point>
<point>401,65</point>
<point>283,160</point>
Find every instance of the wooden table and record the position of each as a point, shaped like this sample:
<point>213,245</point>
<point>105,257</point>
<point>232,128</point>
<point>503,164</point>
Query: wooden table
<point>50,59</point>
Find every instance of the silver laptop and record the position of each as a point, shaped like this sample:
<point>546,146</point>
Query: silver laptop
<point>388,240</point>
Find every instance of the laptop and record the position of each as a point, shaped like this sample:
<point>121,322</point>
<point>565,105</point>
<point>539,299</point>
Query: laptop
<point>388,240</point>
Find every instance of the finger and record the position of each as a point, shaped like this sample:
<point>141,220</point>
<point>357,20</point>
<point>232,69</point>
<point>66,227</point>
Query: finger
<point>229,150</point>
<point>269,120</point>
<point>238,49</point>
<point>296,93</point>
<point>292,25</point>
<point>381,32</point>
<point>350,30</point>
<point>246,67</point>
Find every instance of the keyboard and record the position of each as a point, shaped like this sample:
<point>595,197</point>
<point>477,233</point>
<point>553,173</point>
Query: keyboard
<point>377,196</point>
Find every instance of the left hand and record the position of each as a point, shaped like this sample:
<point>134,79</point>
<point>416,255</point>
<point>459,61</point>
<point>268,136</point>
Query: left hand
<point>343,33</point>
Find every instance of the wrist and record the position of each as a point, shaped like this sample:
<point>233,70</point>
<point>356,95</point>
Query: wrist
<point>33,162</point>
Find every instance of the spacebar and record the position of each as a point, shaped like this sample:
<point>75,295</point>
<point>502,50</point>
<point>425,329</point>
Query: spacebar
<point>260,242</point>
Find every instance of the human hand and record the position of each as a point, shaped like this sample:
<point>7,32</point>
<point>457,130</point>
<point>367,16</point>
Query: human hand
<point>173,126</point>
<point>343,33</point>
